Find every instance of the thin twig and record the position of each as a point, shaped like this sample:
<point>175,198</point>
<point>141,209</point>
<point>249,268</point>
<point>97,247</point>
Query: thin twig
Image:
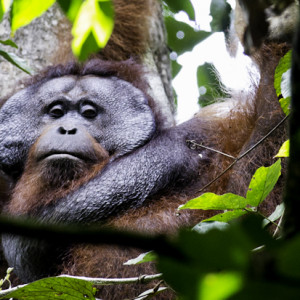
<point>216,178</point>
<point>211,149</point>
<point>113,281</point>
<point>278,226</point>
<point>264,138</point>
<point>150,294</point>
<point>241,156</point>
<point>10,290</point>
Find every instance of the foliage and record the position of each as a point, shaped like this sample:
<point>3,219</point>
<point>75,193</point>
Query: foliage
<point>6,278</point>
<point>92,27</point>
<point>220,11</point>
<point>284,150</point>
<point>14,59</point>
<point>210,87</point>
<point>142,258</point>
<point>217,260</point>
<point>4,5</point>
<point>23,12</point>
<point>96,15</point>
<point>260,186</point>
<point>178,5</point>
<point>282,82</point>
<point>54,288</point>
<point>11,57</point>
<point>220,264</point>
<point>183,37</point>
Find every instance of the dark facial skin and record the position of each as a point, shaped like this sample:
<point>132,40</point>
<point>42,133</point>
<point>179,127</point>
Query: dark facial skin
<point>118,120</point>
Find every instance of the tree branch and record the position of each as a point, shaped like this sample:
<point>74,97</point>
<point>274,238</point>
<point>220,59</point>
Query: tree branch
<point>113,281</point>
<point>68,234</point>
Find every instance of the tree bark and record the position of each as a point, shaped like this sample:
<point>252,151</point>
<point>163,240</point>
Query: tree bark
<point>46,41</point>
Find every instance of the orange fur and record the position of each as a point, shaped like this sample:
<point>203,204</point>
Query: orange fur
<point>33,191</point>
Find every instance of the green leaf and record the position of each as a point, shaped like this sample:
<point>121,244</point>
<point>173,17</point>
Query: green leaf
<point>70,7</point>
<point>258,289</point>
<point>285,85</point>
<point>262,183</point>
<point>176,67</point>
<point>285,104</point>
<point>219,286</point>
<point>283,66</point>
<point>178,5</point>
<point>219,202</point>
<point>215,252</point>
<point>278,213</point>
<point>24,11</point>
<point>4,6</point>
<point>220,12</point>
<point>288,258</point>
<point>284,150</point>
<point>227,216</point>
<point>182,37</point>
<point>8,43</point>
<point>17,61</point>
<point>92,27</point>
<point>209,84</point>
<point>204,227</point>
<point>142,258</point>
<point>54,288</point>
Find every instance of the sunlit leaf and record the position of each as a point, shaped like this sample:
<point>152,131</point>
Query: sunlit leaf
<point>204,227</point>
<point>283,66</point>
<point>286,84</point>
<point>284,150</point>
<point>142,258</point>
<point>24,11</point>
<point>92,27</point>
<point>54,288</point>
<point>4,6</point>
<point>17,61</point>
<point>278,213</point>
<point>262,183</point>
<point>285,104</point>
<point>213,201</point>
<point>227,216</point>
<point>219,286</point>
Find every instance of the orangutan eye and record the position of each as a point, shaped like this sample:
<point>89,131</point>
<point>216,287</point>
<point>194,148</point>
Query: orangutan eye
<point>56,111</point>
<point>88,111</point>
